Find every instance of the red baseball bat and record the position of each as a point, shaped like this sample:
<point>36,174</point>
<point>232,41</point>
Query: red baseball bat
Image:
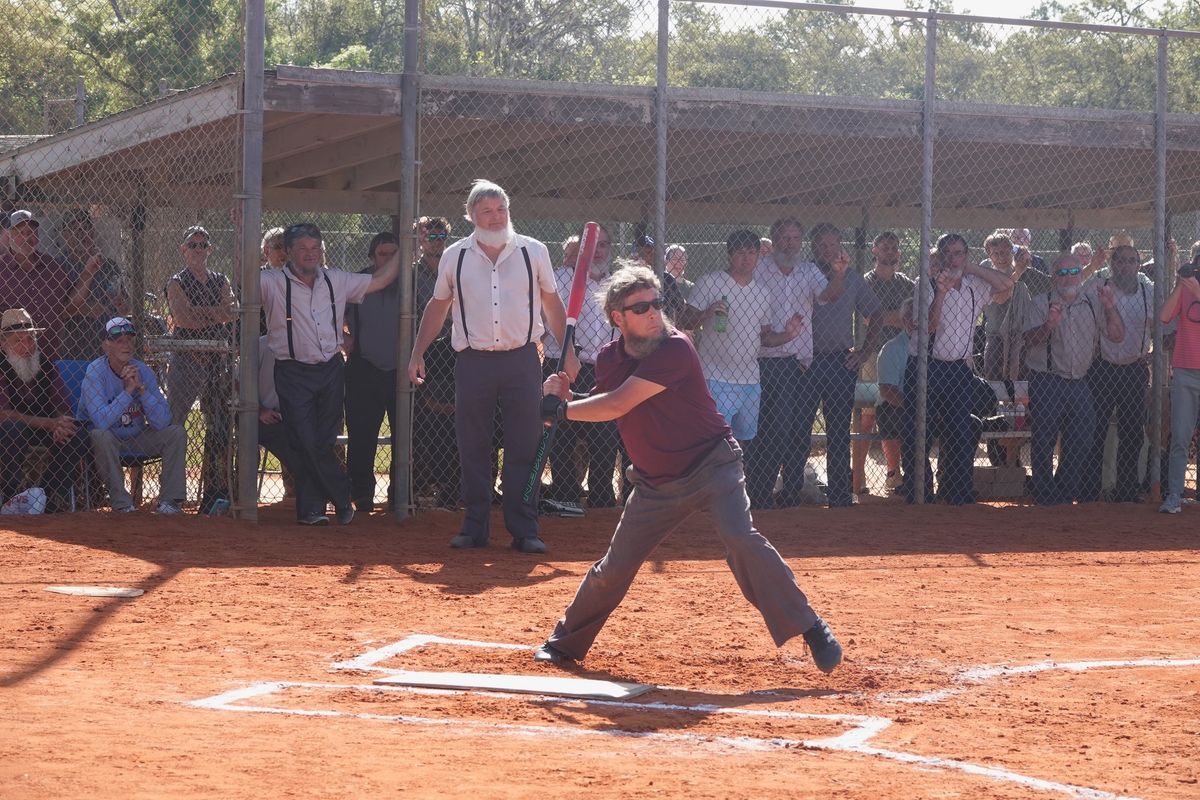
<point>587,251</point>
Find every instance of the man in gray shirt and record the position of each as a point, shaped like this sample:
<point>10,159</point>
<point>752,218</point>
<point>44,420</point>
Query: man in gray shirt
<point>371,375</point>
<point>1061,332</point>
<point>829,382</point>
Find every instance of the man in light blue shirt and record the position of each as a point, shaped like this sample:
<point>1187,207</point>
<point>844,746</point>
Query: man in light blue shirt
<point>129,415</point>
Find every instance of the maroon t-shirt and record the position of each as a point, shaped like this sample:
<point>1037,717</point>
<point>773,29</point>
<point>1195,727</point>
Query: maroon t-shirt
<point>667,435</point>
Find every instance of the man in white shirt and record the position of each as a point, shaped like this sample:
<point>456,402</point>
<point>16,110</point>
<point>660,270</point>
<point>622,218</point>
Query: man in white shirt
<point>305,304</point>
<point>794,286</point>
<point>735,313</point>
<point>961,289</point>
<point>498,284</point>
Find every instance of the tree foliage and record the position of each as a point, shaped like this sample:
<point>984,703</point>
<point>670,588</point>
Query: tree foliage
<point>123,48</point>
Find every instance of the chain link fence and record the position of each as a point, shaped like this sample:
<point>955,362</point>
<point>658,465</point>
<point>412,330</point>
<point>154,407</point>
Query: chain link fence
<point>942,295</point>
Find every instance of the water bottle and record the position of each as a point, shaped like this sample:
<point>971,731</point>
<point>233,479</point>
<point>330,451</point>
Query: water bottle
<point>721,321</point>
<point>1019,421</point>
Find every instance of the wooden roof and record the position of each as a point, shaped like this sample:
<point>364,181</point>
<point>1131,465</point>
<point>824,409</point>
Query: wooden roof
<point>567,151</point>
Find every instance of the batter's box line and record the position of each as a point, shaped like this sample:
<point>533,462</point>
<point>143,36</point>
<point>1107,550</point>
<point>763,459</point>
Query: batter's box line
<point>853,741</point>
<point>971,677</point>
<point>367,661</point>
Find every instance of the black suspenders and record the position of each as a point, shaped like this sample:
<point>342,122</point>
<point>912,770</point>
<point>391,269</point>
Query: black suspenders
<point>288,299</point>
<point>462,304</point>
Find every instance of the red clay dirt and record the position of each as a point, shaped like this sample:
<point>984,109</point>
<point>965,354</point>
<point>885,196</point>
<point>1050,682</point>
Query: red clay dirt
<point>98,694</point>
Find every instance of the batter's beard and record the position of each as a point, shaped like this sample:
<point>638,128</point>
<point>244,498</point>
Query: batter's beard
<point>499,238</point>
<point>640,347</point>
<point>26,368</point>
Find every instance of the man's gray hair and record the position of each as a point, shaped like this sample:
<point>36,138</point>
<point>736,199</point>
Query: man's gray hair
<point>630,277</point>
<point>480,189</point>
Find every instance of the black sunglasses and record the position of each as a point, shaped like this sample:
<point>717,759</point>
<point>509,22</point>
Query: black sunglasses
<point>198,245</point>
<point>1065,271</point>
<point>433,237</point>
<point>643,306</point>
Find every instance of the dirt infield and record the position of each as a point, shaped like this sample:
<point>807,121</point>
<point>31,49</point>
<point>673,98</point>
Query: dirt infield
<point>246,668</point>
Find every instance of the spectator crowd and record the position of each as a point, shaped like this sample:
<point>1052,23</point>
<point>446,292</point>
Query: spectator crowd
<point>1055,350</point>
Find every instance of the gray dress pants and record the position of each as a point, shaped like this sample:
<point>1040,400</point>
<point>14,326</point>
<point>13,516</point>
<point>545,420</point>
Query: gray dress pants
<point>718,485</point>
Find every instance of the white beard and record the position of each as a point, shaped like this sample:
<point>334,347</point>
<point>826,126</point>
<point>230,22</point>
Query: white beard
<point>499,238</point>
<point>1069,293</point>
<point>786,261</point>
<point>26,368</point>
<point>599,270</point>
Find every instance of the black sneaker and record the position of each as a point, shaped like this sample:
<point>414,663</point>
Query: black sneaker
<point>826,652</point>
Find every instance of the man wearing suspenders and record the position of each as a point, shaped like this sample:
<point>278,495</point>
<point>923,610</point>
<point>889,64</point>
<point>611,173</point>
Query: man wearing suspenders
<point>1061,333</point>
<point>305,306</point>
<point>497,283</point>
<point>1120,376</point>
<point>959,293</point>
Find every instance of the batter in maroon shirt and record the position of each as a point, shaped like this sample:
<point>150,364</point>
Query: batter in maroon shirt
<point>685,461</point>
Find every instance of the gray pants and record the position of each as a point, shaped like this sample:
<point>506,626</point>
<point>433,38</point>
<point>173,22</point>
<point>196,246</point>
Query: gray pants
<point>718,485</point>
<point>170,444</point>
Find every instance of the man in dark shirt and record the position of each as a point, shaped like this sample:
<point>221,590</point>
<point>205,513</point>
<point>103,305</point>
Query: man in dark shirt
<point>34,281</point>
<point>202,310</point>
<point>684,460</point>
<point>35,411</point>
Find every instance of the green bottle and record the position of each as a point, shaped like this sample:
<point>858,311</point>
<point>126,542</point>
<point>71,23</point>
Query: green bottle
<point>721,320</point>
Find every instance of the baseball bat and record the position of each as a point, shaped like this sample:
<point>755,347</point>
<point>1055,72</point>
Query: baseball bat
<point>587,251</point>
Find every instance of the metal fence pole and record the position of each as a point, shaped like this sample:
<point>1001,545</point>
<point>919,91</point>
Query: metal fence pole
<point>660,139</point>
<point>1161,273</point>
<point>927,133</point>
<point>409,87</point>
<point>250,213</point>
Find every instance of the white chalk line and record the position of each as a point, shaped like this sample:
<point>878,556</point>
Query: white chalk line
<point>968,678</point>
<point>864,728</point>
<point>853,741</point>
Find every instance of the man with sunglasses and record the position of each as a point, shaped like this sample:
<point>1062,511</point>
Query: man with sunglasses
<point>1062,330</point>
<point>685,460</point>
<point>306,310</point>
<point>498,283</point>
<point>202,308</point>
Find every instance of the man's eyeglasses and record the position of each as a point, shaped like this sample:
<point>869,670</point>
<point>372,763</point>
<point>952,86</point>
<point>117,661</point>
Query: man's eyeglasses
<point>437,237</point>
<point>1065,271</point>
<point>118,331</point>
<point>1127,260</point>
<point>198,245</point>
<point>642,306</point>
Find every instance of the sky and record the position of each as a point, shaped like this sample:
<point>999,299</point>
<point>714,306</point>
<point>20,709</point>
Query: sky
<point>984,8</point>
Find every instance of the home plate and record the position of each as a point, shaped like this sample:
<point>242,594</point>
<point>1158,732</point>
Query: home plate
<point>529,684</point>
<point>96,591</point>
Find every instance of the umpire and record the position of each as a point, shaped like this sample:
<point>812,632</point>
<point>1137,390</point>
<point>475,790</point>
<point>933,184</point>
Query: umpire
<point>305,306</point>
<point>499,283</point>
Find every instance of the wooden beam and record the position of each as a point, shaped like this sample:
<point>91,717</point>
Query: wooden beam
<point>314,131</point>
<point>370,143</point>
<point>322,98</point>
<point>381,203</point>
<point>111,135</point>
